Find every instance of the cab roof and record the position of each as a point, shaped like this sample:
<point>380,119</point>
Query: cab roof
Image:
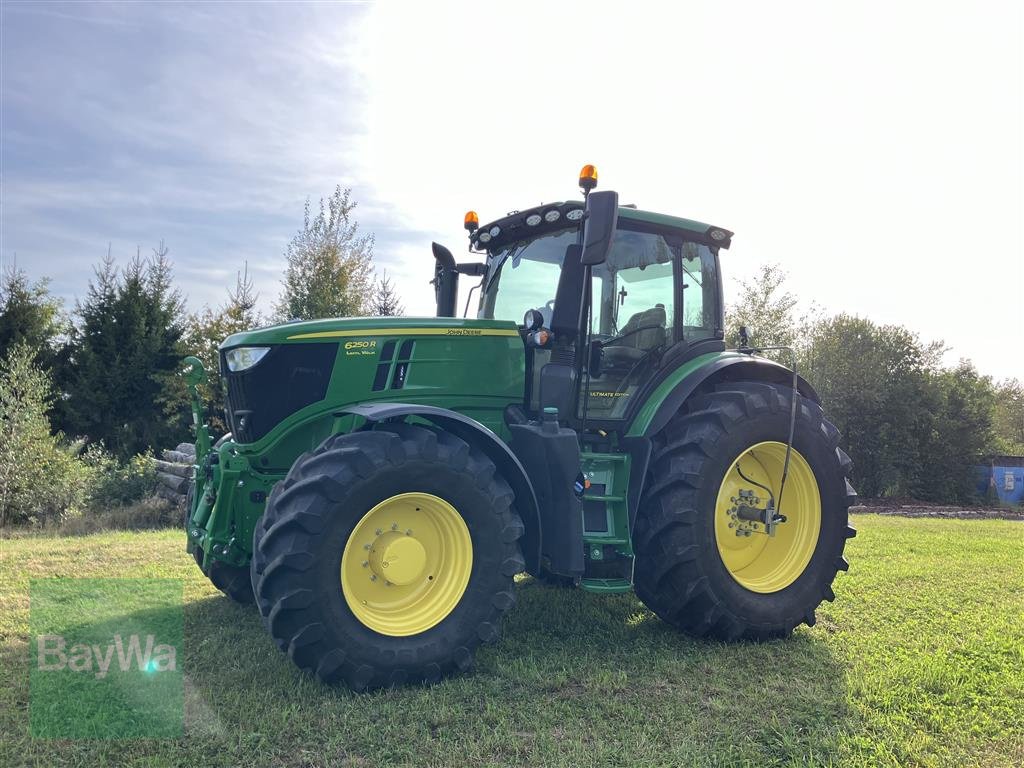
<point>513,227</point>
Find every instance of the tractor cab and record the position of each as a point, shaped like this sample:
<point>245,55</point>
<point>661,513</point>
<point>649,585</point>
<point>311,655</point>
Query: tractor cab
<point>651,300</point>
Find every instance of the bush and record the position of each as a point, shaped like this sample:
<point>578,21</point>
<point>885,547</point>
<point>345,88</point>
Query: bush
<point>146,514</point>
<point>41,479</point>
<point>116,484</point>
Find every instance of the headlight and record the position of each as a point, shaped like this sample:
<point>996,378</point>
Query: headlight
<point>242,358</point>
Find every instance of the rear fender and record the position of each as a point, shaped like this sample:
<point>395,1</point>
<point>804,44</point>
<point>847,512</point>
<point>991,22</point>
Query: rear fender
<point>670,395</point>
<point>673,392</point>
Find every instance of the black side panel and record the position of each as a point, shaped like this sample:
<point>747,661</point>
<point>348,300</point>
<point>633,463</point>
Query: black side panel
<point>552,459</point>
<point>565,320</point>
<point>558,387</point>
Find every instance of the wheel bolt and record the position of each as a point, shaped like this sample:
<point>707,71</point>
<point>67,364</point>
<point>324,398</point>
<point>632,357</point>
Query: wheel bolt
<point>379,531</point>
<point>394,526</point>
<point>373,577</point>
<point>365,563</point>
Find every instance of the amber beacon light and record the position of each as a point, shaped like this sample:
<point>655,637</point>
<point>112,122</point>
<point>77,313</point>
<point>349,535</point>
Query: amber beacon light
<point>588,177</point>
<point>471,222</point>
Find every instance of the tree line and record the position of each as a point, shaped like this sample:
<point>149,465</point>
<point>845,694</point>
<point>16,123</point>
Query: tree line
<point>85,391</point>
<point>913,426</point>
<point>98,385</point>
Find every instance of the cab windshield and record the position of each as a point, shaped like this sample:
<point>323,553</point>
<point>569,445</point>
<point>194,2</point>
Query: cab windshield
<point>655,287</point>
<point>523,276</point>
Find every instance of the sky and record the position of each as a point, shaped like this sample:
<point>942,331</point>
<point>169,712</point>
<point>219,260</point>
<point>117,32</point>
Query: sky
<point>875,151</point>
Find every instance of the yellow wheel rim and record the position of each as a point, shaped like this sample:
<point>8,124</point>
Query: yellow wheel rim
<point>407,564</point>
<point>759,562</point>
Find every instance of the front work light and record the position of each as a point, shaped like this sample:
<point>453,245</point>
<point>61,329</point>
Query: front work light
<point>588,177</point>
<point>552,216</point>
<point>472,221</point>
<point>533,220</point>
<point>243,358</point>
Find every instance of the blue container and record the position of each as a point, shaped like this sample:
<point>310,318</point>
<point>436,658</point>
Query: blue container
<point>1003,475</point>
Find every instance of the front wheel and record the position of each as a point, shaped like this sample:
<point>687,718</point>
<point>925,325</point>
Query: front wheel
<point>386,557</point>
<point>719,553</point>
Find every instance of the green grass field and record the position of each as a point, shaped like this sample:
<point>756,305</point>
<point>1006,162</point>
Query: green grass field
<point>920,661</point>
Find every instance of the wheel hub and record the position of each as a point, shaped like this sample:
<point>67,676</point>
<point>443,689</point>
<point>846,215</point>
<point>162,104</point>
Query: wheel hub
<point>398,558</point>
<point>748,518</point>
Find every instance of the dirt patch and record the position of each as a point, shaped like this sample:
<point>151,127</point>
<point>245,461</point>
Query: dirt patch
<point>914,508</point>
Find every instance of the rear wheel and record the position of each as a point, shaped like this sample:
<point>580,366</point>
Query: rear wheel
<point>705,560</point>
<point>387,557</point>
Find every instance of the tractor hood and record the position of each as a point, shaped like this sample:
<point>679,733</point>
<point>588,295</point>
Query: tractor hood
<point>280,376</point>
<point>356,328</point>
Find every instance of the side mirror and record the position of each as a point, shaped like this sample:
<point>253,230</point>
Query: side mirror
<point>599,230</point>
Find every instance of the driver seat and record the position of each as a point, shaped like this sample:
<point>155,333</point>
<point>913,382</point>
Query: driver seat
<point>635,346</point>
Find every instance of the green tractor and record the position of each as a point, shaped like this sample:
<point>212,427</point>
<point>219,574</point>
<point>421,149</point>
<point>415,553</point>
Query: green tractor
<point>386,479</point>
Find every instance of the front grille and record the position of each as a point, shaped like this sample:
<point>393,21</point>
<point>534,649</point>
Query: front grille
<point>287,379</point>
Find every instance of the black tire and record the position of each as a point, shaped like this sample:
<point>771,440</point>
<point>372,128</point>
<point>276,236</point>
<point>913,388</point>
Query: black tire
<point>680,574</point>
<point>309,517</point>
<point>232,580</point>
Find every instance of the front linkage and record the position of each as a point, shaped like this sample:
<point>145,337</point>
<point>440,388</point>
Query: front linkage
<point>215,538</point>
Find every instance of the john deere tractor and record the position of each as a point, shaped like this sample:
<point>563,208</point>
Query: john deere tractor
<point>386,479</point>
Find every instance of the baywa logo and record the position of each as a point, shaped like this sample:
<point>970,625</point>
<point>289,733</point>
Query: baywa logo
<point>105,658</point>
<point>54,654</point>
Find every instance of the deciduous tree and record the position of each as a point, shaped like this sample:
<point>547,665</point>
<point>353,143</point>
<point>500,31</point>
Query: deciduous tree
<point>329,270</point>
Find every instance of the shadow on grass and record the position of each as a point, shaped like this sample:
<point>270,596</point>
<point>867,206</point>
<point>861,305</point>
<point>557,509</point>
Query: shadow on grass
<point>574,676</point>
